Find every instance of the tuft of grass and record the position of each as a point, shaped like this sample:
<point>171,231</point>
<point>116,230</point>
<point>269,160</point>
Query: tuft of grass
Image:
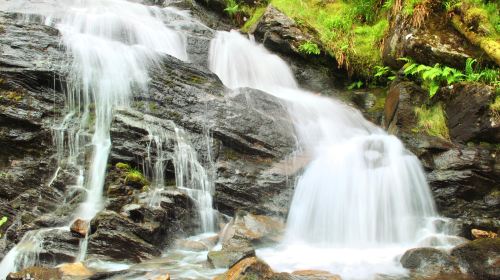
<point>432,121</point>
<point>3,220</point>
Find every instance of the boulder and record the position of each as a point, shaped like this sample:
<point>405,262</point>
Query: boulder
<point>480,258</point>
<point>191,245</point>
<point>429,262</point>
<point>258,229</point>
<point>233,250</point>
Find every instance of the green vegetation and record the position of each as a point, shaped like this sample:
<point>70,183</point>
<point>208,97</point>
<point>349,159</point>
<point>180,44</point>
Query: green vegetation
<point>432,121</point>
<point>350,31</point>
<point>2,222</point>
<point>254,18</point>
<point>309,48</point>
<point>232,7</point>
<point>123,166</point>
<point>436,76</point>
<point>355,85</point>
<point>135,176</point>
<point>495,109</point>
<point>132,175</point>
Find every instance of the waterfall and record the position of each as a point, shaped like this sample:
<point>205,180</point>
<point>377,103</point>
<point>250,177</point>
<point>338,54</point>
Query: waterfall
<point>111,45</point>
<point>362,188</point>
<point>190,175</point>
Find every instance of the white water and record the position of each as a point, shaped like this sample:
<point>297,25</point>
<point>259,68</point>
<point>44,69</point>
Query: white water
<point>190,175</point>
<point>361,200</point>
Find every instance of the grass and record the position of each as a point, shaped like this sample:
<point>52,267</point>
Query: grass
<point>350,31</point>
<point>432,121</point>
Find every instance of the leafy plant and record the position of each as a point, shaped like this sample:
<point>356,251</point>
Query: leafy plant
<point>309,48</point>
<point>357,84</point>
<point>382,72</point>
<point>232,7</point>
<point>2,222</point>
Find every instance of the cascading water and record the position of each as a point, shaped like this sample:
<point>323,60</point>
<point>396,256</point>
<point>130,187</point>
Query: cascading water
<point>360,200</point>
<point>112,44</point>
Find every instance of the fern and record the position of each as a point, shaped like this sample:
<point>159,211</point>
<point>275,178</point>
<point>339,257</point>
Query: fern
<point>232,7</point>
<point>354,85</point>
<point>309,48</point>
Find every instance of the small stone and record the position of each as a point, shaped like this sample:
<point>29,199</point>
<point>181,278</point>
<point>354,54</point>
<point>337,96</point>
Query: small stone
<point>316,275</point>
<point>80,227</point>
<point>163,277</point>
<point>477,233</point>
<point>74,269</point>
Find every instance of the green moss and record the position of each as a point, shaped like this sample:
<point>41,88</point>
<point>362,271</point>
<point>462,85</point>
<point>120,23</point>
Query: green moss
<point>409,6</point>
<point>432,121</point>
<point>230,154</point>
<point>11,95</point>
<point>123,166</point>
<point>254,18</point>
<point>136,177</point>
<point>495,109</point>
<point>379,104</point>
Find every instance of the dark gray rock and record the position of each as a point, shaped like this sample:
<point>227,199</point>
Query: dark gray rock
<point>280,34</point>
<point>468,112</point>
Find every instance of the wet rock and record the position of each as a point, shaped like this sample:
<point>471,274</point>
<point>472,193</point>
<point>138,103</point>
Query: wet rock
<point>32,67</point>
<point>191,245</point>
<point>432,41</point>
<point>480,258</point>
<point>477,233</point>
<point>469,117</point>
<point>248,268</point>
<point>79,227</point>
<point>116,237</point>
<point>74,270</point>
<point>233,250</point>
<point>58,246</point>
<point>258,229</point>
<point>36,273</point>
<point>316,275</point>
<point>282,35</point>
<point>429,262</point>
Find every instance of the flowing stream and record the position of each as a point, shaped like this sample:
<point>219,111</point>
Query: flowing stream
<point>361,201</point>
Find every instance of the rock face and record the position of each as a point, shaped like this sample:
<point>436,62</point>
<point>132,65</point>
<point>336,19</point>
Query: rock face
<point>432,41</point>
<point>282,35</point>
<point>462,178</point>
<point>481,258</point>
<point>31,71</point>
<point>240,136</point>
<point>468,112</point>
